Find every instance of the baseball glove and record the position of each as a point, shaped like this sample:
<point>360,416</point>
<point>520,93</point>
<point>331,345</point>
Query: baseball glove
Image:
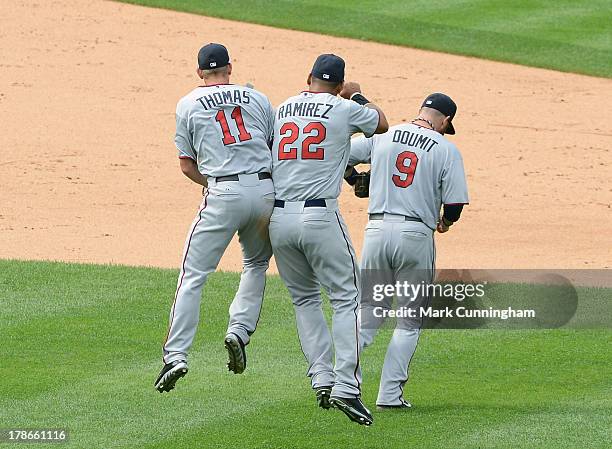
<point>362,185</point>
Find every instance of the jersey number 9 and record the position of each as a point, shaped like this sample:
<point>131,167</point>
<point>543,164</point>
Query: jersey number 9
<point>315,134</point>
<point>407,169</point>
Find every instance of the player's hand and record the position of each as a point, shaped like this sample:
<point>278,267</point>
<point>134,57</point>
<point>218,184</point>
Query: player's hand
<point>442,228</point>
<point>350,88</point>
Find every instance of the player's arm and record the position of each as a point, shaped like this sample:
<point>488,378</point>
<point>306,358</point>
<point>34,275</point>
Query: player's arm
<point>352,91</point>
<point>189,167</point>
<point>186,151</point>
<point>271,115</point>
<point>351,175</point>
<point>454,191</point>
<point>361,151</point>
<point>383,124</point>
<point>450,215</point>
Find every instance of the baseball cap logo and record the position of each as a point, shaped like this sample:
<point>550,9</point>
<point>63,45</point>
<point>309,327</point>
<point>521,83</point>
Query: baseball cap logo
<point>325,76</point>
<point>213,56</point>
<point>428,102</point>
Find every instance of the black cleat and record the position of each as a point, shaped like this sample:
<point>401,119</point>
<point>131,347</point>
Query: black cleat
<point>323,394</point>
<point>405,405</point>
<point>236,353</point>
<point>354,409</point>
<point>170,373</point>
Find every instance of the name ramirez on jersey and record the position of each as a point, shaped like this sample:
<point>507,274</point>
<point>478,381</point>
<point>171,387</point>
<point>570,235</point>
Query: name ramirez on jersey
<point>314,110</point>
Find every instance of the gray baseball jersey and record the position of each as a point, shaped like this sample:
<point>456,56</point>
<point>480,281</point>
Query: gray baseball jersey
<point>312,143</point>
<point>226,128</point>
<point>414,171</point>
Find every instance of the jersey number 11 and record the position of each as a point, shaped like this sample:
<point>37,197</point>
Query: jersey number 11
<point>243,134</point>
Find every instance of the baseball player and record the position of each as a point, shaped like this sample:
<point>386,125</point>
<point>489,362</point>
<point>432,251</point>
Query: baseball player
<point>309,237</point>
<point>223,133</point>
<point>414,171</point>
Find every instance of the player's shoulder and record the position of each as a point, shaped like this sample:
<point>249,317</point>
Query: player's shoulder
<point>254,93</point>
<point>301,97</point>
<point>347,108</point>
<point>187,101</point>
<point>451,147</point>
<point>318,97</point>
<point>448,151</point>
<point>245,90</point>
<point>400,127</point>
<point>349,105</point>
<point>401,132</point>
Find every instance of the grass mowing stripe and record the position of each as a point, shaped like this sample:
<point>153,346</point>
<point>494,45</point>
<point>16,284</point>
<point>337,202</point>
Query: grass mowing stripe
<point>526,33</point>
<point>90,366</point>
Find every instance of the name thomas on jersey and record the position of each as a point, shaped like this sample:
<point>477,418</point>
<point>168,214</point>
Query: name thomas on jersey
<point>218,99</point>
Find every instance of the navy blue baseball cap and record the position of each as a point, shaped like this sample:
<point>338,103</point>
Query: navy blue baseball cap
<point>329,67</point>
<point>444,104</point>
<point>213,56</point>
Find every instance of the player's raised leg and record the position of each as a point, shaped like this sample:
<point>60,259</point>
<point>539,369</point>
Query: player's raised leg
<point>256,252</point>
<point>199,260</point>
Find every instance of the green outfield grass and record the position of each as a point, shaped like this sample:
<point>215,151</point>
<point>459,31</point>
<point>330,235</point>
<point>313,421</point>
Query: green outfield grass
<point>566,35</point>
<point>81,348</point>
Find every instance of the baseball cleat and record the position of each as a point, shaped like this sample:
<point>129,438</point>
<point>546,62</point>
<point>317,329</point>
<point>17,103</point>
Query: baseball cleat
<point>354,409</point>
<point>236,353</point>
<point>170,373</point>
<point>405,405</point>
<point>323,394</point>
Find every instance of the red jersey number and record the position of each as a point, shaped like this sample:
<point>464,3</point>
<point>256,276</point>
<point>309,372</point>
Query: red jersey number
<point>236,114</point>
<point>291,132</point>
<point>315,134</point>
<point>321,132</point>
<point>406,164</point>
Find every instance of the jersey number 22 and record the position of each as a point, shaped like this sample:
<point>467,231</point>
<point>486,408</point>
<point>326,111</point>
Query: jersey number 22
<point>315,134</point>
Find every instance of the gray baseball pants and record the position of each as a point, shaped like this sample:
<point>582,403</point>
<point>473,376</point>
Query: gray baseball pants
<point>313,249</point>
<point>229,207</point>
<point>406,249</point>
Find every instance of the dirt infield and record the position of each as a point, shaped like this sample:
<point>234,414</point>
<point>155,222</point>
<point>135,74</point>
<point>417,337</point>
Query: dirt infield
<point>89,172</point>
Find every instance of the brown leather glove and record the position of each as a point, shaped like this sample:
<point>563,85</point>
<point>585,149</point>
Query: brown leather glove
<point>362,185</point>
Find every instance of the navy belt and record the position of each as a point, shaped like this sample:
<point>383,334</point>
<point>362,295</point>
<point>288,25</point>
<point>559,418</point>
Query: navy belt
<point>381,216</point>
<point>307,203</point>
<point>263,175</point>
